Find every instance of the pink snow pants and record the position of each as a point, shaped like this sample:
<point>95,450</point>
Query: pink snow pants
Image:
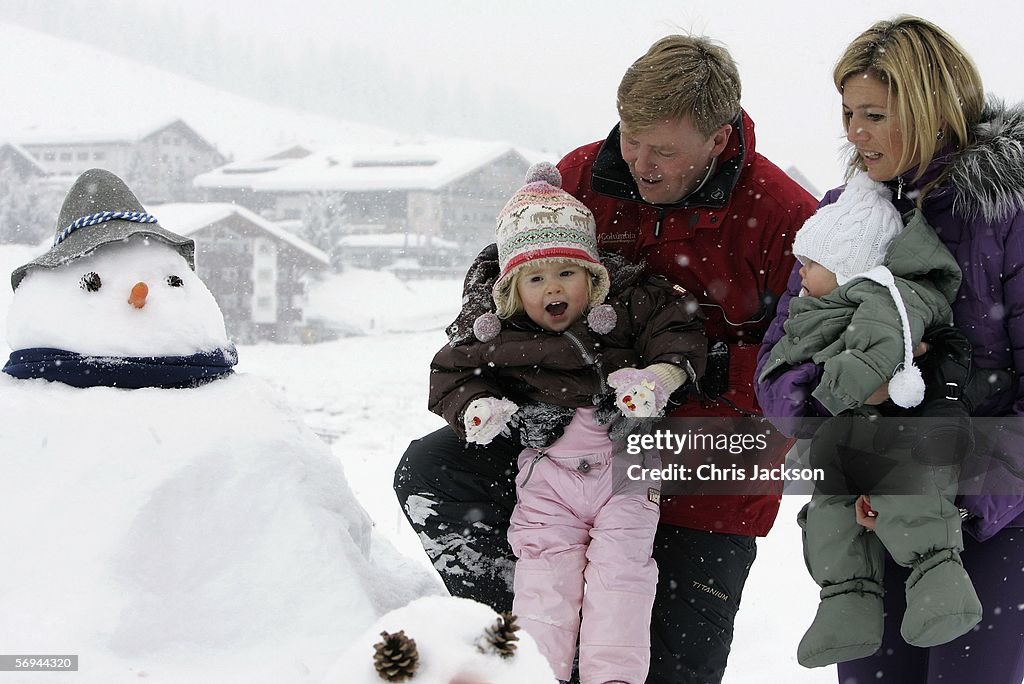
<point>584,544</point>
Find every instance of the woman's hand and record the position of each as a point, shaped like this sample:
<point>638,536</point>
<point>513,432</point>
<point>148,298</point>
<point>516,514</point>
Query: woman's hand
<point>881,395</point>
<point>865,514</point>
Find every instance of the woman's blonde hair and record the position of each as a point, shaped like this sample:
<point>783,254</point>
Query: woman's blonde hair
<point>511,304</point>
<point>935,91</point>
<point>680,77</point>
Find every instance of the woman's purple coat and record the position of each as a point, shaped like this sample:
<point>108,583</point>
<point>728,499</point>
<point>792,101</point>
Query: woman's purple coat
<point>978,212</point>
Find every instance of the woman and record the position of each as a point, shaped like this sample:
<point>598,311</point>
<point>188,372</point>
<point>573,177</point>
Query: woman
<point>916,119</point>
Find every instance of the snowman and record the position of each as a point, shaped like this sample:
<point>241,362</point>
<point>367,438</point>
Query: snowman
<point>115,301</point>
<point>164,517</point>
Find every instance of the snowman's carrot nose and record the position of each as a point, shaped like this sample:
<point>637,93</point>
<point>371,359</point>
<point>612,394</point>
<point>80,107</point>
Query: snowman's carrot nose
<point>138,296</point>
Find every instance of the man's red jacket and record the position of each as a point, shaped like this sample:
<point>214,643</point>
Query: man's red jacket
<point>729,244</point>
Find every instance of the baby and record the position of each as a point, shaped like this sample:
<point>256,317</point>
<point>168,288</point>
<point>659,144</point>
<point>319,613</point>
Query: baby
<point>872,286</point>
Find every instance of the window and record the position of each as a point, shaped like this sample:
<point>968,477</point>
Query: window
<point>263,302</point>
<point>99,155</point>
<point>65,156</point>
<point>49,156</point>
<point>265,274</point>
<point>82,156</point>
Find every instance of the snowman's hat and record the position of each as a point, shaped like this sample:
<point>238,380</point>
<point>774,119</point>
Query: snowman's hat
<point>100,209</point>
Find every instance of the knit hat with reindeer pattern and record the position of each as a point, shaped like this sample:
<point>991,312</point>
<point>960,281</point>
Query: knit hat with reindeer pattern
<point>544,222</point>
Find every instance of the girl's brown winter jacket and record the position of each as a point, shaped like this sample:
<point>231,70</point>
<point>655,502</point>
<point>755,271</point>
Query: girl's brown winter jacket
<point>655,323</point>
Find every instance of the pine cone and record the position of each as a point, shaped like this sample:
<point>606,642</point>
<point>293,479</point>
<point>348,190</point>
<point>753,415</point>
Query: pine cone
<point>500,637</point>
<point>395,657</point>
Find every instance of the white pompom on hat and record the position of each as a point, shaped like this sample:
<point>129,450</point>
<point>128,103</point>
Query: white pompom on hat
<point>851,235</point>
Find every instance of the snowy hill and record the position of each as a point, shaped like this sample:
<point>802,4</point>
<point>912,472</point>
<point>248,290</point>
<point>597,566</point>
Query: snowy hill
<point>66,90</point>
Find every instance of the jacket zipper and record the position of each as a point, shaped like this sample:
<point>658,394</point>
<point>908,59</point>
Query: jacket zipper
<point>533,462</point>
<point>657,224</point>
<point>899,187</point>
<point>588,358</point>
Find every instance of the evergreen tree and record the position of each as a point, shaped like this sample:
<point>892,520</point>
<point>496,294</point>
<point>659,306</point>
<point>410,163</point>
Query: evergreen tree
<point>323,218</point>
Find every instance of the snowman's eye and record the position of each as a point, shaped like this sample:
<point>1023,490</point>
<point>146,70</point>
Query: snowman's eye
<point>91,281</point>
<point>174,281</point>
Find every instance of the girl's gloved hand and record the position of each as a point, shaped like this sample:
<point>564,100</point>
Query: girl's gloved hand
<point>639,392</point>
<point>487,417</point>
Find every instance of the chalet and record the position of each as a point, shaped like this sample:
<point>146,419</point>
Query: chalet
<point>158,162</point>
<point>256,270</point>
<point>448,191</point>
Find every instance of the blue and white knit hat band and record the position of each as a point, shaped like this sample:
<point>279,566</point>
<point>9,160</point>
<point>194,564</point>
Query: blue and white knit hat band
<point>103,217</point>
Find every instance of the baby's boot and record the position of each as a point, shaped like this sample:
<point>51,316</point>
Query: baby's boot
<point>941,602</point>
<point>847,626</point>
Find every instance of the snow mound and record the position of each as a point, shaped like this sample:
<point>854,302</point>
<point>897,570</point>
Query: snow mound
<point>183,535</point>
<point>375,302</point>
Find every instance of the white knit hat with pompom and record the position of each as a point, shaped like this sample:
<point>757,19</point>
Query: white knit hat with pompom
<point>851,235</point>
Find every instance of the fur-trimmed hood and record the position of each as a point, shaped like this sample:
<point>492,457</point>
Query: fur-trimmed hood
<point>988,176</point>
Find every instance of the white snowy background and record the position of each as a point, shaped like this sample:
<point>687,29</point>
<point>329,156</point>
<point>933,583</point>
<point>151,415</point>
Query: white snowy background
<point>539,74</point>
<point>535,73</point>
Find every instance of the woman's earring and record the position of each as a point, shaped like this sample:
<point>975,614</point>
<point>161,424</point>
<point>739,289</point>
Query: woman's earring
<point>940,135</point>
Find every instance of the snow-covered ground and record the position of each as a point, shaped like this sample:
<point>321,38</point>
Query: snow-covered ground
<point>331,383</point>
<point>367,397</point>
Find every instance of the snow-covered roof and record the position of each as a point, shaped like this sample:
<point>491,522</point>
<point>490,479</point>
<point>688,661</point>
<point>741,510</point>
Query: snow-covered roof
<point>396,240</point>
<point>424,165</point>
<point>186,218</point>
<point>24,155</point>
<point>110,131</point>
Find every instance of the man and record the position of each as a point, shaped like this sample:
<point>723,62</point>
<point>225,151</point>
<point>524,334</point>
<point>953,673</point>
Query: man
<point>679,185</point>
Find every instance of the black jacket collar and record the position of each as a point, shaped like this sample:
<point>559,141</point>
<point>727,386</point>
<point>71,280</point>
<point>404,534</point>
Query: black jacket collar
<point>611,176</point>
